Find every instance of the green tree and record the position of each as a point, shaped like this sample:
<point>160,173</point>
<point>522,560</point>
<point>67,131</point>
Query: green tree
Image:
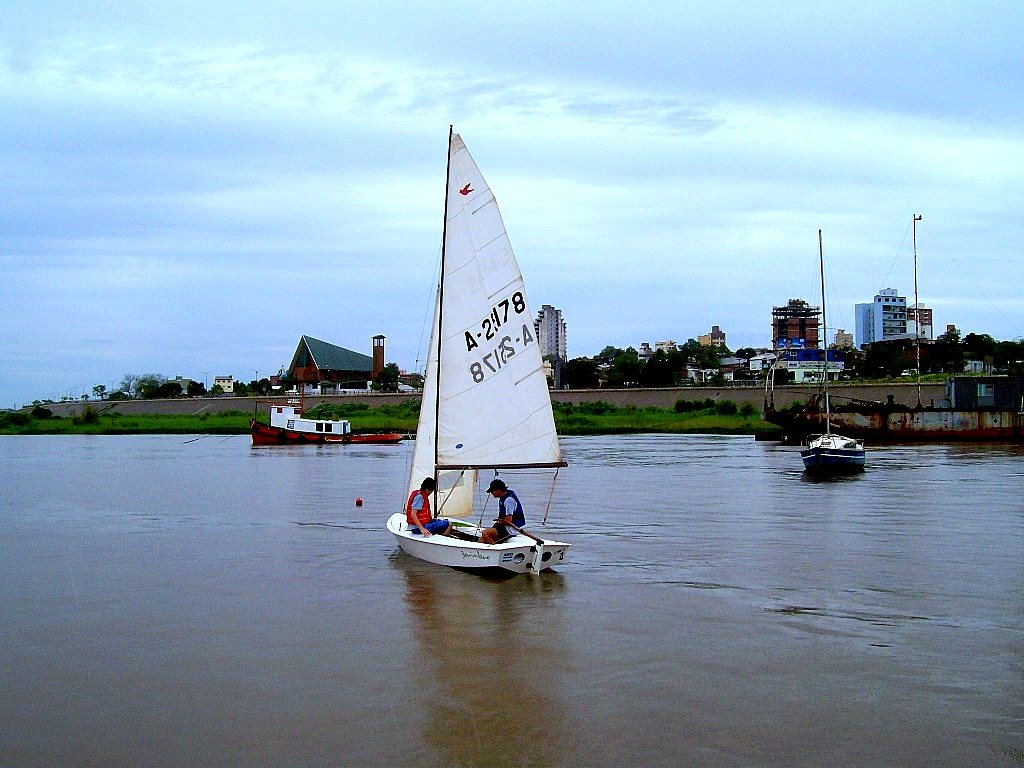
<point>658,371</point>
<point>99,391</point>
<point>980,346</point>
<point>166,391</point>
<point>147,384</point>
<point>580,373</point>
<point>625,369</point>
<point>947,354</point>
<point>607,355</point>
<point>690,350</point>
<point>711,355</point>
<point>1009,357</point>
<point>387,379</point>
<point>128,384</point>
<point>886,359</point>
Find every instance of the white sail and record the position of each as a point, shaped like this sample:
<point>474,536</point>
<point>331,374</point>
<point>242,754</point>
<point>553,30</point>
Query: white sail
<point>493,409</point>
<point>454,488</point>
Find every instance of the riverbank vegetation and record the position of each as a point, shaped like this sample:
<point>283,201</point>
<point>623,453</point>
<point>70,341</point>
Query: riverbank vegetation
<point>592,418</point>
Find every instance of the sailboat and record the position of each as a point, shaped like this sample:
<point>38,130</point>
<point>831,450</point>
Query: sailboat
<point>830,452</point>
<point>485,404</point>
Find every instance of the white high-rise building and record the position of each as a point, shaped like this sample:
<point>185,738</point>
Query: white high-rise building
<point>550,328</point>
<point>885,318</point>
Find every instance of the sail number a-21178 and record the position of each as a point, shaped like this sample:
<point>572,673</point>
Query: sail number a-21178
<point>491,339</point>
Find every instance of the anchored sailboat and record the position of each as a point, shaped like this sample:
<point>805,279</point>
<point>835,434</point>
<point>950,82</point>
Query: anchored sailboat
<point>485,401</point>
<point>830,452</point>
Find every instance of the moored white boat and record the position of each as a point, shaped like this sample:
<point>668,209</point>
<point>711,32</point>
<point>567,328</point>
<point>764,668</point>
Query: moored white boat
<point>289,427</point>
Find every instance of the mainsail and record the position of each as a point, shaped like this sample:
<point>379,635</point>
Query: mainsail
<point>485,397</point>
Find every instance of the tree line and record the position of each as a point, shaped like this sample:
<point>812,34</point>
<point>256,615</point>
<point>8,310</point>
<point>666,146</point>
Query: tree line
<point>153,386</point>
<point>616,367</point>
<point>946,355</point>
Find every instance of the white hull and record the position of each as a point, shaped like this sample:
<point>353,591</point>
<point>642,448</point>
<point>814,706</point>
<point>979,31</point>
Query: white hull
<point>520,554</point>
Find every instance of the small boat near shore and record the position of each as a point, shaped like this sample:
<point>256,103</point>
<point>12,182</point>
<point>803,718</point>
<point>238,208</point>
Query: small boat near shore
<point>289,427</point>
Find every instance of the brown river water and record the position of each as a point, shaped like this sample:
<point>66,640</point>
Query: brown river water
<point>184,601</point>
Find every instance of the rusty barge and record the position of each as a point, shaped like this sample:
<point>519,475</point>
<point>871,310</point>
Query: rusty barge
<point>975,408</point>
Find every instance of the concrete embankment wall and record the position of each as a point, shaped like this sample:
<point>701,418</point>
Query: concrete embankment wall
<point>905,394</point>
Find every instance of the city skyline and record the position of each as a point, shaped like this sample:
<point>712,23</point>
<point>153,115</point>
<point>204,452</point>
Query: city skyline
<point>196,185</point>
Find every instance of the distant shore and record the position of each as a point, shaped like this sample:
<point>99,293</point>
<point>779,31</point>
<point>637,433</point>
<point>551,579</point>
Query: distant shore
<point>596,418</point>
<point>903,393</point>
<point>577,412</point>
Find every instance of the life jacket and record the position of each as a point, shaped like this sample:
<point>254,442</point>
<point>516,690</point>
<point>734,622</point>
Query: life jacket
<point>510,503</point>
<point>424,513</point>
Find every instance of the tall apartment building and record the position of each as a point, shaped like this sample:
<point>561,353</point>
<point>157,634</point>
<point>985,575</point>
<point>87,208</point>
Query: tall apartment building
<point>550,328</point>
<point>884,318</point>
<point>714,337</point>
<point>795,326</point>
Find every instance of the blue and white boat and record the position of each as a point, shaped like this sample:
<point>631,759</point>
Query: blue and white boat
<point>833,453</point>
<point>830,453</point>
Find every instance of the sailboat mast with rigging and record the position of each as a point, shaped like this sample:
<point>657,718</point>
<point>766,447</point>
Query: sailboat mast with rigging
<point>830,452</point>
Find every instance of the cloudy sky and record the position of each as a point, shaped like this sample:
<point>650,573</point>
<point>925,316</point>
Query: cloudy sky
<point>187,188</point>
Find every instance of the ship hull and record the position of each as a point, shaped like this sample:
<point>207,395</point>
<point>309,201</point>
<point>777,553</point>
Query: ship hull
<point>926,424</point>
<point>264,434</point>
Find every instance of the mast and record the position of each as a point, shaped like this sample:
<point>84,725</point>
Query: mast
<point>440,301</point>
<point>917,315</point>
<point>824,330</point>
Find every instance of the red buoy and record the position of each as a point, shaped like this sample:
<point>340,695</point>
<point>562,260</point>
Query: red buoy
<point>359,502</point>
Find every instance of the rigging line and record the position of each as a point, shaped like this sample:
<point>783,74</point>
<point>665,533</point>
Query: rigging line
<point>551,495</point>
<point>899,250</point>
<point>440,504</point>
<point>487,500</point>
<point>428,311</point>
<point>833,292</point>
<point>970,276</point>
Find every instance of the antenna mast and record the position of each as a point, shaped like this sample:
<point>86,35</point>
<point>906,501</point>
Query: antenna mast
<point>917,315</point>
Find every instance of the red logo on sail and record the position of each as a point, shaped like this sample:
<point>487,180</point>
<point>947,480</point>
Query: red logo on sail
<point>466,190</point>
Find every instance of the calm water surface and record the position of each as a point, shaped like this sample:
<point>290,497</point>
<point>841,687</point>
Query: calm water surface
<point>173,601</point>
